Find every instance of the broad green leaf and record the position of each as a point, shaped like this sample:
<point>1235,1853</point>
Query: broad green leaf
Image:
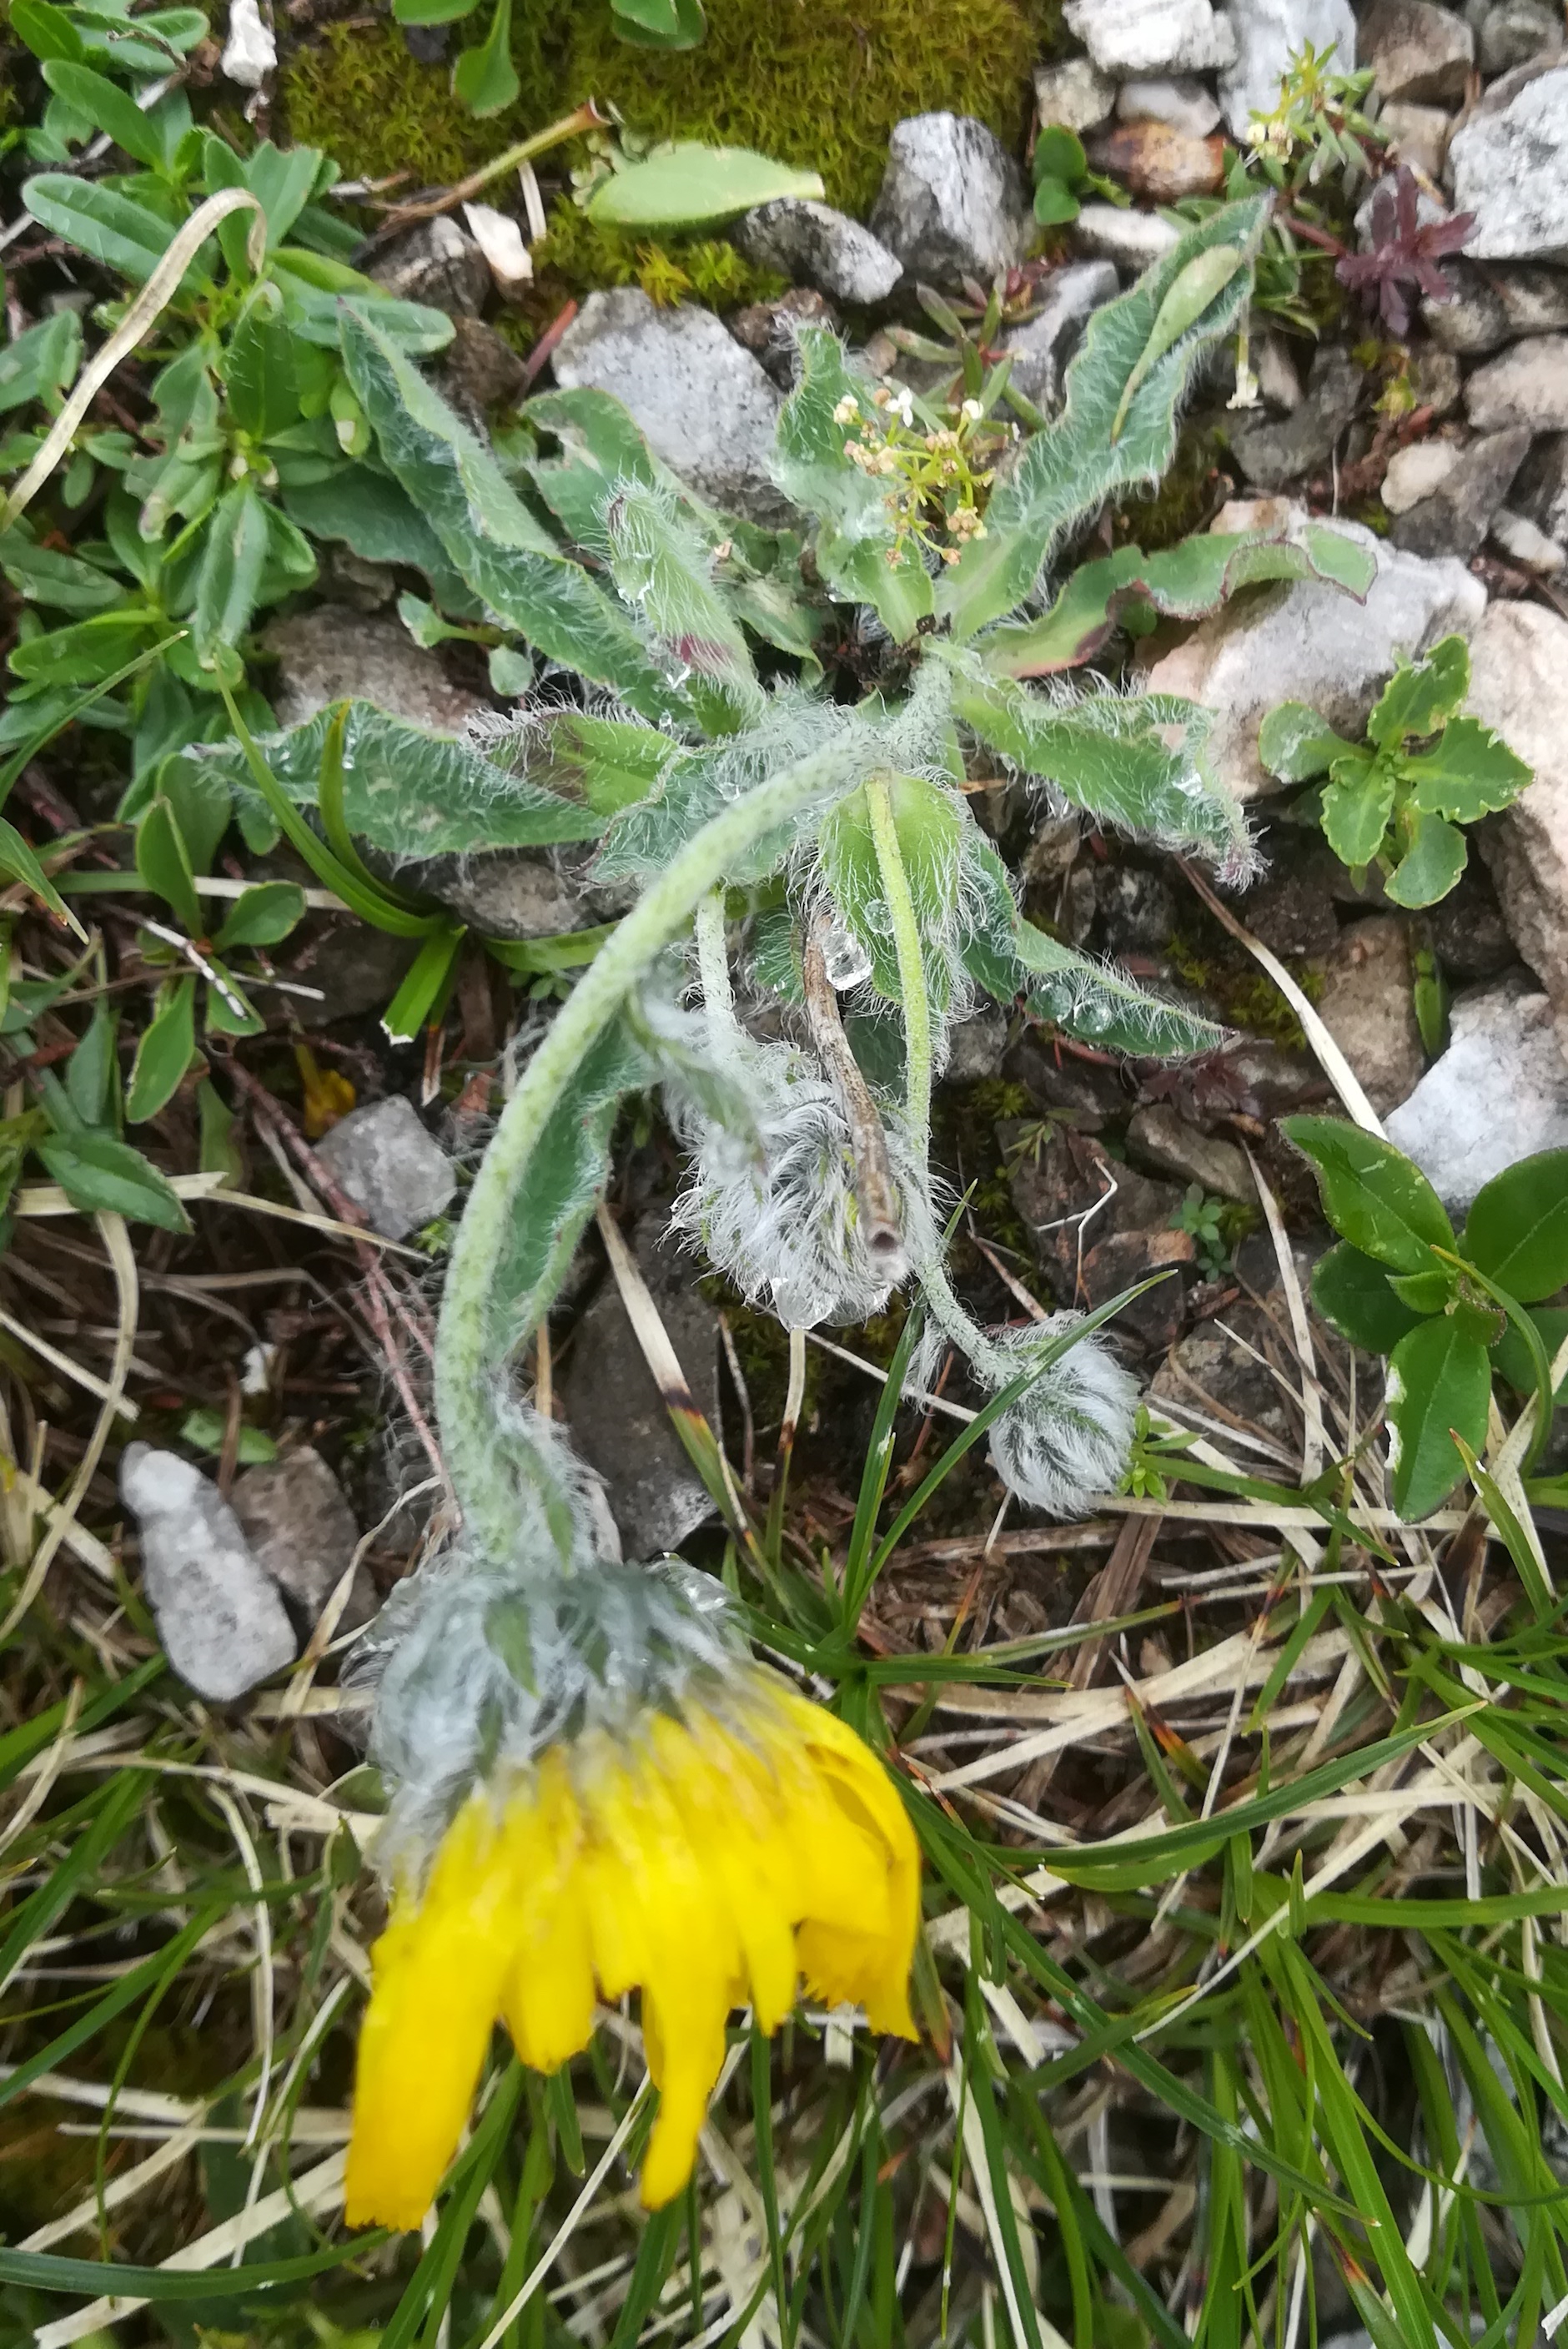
<point>102,1176</point>
<point>64,581</point>
<point>1468,772</point>
<point>89,652</point>
<point>263,916</point>
<point>1372,1194</point>
<point>111,108</point>
<point>281,179</point>
<point>259,374</point>
<point>1068,470</point>
<point>1013,961</point>
<point>1512,1356</point>
<point>43,359</point>
<point>1055,203</point>
<point>487,532</point>
<point>313,284</point>
<point>485,78</point>
<point>686,183</point>
<point>1440,1382</point>
<point>164,864</point>
<point>1426,1292</point>
<point>432,12</point>
<point>166,1050</point>
<point>1429,866</point>
<point>929,831</point>
<point>1517,1230</point>
<point>1186,581</point>
<point>228,585</point>
<point>859,552</point>
<point>1294,744</point>
<point>659,565</point>
<point>659,24</point>
<point>106,226</point>
<point>410,793</point>
<point>605,762</point>
<point>90,1072</point>
<point>367,511</point>
<point>1357,805</point>
<point>48,30</point>
<point>1351,1293</point>
<point>1139,763</point>
<point>1422,694</point>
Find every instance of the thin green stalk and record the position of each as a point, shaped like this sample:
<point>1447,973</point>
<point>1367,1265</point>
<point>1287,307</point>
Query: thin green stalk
<point>911,963</point>
<point>465,1345</point>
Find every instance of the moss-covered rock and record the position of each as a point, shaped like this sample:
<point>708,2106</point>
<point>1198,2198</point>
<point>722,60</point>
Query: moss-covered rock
<point>818,83</point>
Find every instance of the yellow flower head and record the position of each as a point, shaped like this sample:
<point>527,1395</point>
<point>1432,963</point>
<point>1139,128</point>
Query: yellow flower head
<point>710,1847</point>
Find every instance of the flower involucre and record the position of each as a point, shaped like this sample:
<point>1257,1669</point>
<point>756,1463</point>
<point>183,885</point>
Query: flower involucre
<point>709,1852</point>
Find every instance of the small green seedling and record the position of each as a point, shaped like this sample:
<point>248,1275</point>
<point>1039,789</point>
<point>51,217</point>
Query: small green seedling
<point>1399,799</point>
<point>1063,179</point>
<point>1446,1310</point>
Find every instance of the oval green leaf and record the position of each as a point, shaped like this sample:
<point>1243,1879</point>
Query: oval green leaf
<point>1439,1384</point>
<point>687,182</point>
<point>1517,1233</point>
<point>1372,1194</point>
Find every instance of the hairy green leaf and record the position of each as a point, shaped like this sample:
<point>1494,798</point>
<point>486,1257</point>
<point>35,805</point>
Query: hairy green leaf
<point>659,565</point>
<point>859,552</point>
<point>930,829</point>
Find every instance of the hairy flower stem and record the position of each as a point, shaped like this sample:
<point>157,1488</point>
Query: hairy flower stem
<point>911,963</point>
<point>468,1352</point>
<point>713,971</point>
<point>874,1174</point>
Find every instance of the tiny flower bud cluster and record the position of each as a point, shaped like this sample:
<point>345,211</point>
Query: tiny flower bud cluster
<point>935,493</point>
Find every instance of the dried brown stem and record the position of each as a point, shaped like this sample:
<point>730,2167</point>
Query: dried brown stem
<point>868,1142</point>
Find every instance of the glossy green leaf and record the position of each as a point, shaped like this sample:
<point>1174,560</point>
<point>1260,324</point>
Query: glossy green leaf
<point>1430,866</point>
<point>1469,772</point>
<point>1513,1358</point>
<point>1357,805</point>
<point>48,30</point>
<point>1351,1293</point>
<point>90,1072</point>
<point>228,585</point>
<point>1372,1194</point>
<point>659,24</point>
<point>424,988</point>
<point>111,108</point>
<point>1440,1382</point>
<point>685,185</point>
<point>1055,203</point>
<point>487,532</point>
<point>1517,1230</point>
<point>485,78</point>
<point>42,359</point>
<point>1422,694</point>
<point>106,225</point>
<point>166,1049</point>
<point>1426,1292</point>
<point>164,864</point>
<point>263,916</point>
<point>100,1174</point>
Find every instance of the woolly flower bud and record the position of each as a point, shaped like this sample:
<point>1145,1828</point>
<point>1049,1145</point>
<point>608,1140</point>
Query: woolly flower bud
<point>601,1792</point>
<point>1067,1436</point>
<point>778,1216</point>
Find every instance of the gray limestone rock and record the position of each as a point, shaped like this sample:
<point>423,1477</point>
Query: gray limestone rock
<point>1134,241</point>
<point>1181,101</point>
<point>1522,544</point>
<point>1456,517</point>
<point>1541,485</point>
<point>390,1167</point>
<point>1268,34</point>
<point>1527,384</point>
<point>218,1615</point>
<point>1498,1095</point>
<point>705,403</point>
<point>1417,134</point>
<point>1041,347</point>
<point>1516,31</point>
<point>1417,50</point>
<point>334,652</point>
<point>619,1422</point>
<point>1368,1008</point>
<point>301,1531</point>
<point>952,203</point>
<point>1152,36</point>
<point>1271,451</point>
<point>1494,304</point>
<point>1159,1137</point>
<point>1519,686</point>
<point>1509,168</point>
<point>1417,471</point>
<point>827,249</point>
<point>1077,95</point>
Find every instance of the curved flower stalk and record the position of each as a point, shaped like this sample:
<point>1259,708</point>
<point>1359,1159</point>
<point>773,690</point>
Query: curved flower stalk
<point>595,1788</point>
